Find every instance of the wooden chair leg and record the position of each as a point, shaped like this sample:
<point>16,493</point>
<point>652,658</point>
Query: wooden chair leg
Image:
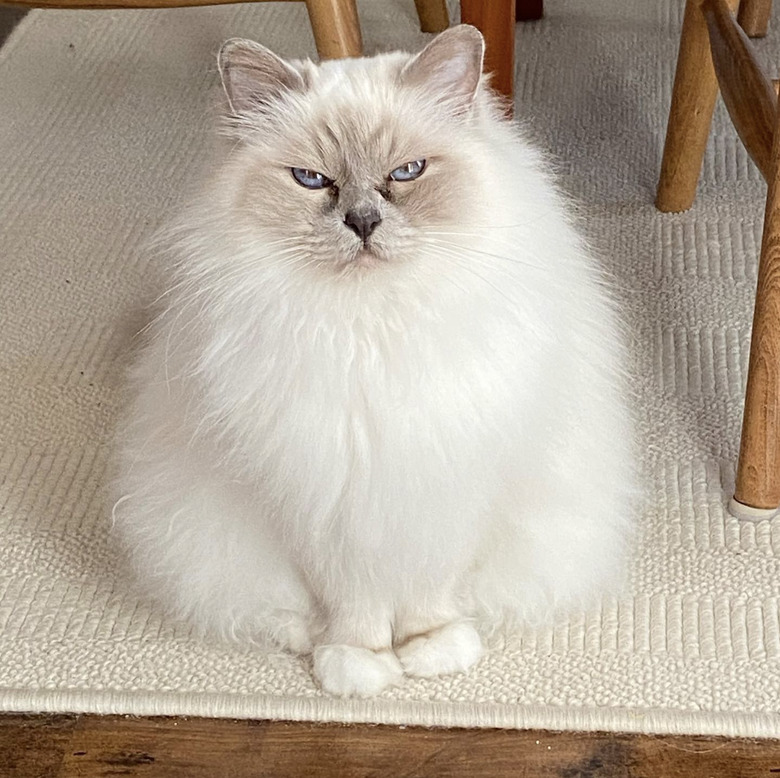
<point>433,15</point>
<point>529,10</point>
<point>336,28</point>
<point>757,494</point>
<point>747,92</point>
<point>693,101</point>
<point>754,16</point>
<point>495,19</point>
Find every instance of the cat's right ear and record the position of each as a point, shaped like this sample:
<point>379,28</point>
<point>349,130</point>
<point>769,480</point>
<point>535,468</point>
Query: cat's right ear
<point>252,75</point>
<point>449,68</point>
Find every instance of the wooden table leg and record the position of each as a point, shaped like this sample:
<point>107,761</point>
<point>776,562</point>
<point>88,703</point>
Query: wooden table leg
<point>433,15</point>
<point>495,19</point>
<point>336,28</point>
<point>757,495</point>
<point>690,115</point>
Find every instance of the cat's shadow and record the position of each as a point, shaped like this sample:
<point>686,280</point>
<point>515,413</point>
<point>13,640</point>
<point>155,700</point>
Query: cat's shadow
<point>599,121</point>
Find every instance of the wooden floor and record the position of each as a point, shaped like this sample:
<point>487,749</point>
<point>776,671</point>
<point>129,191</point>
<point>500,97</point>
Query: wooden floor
<point>67,746</point>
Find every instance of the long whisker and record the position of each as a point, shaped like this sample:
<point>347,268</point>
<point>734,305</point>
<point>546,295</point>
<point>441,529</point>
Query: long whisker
<point>301,260</point>
<point>458,260</point>
<point>194,276</point>
<point>601,277</point>
<point>474,250</point>
<point>203,290</point>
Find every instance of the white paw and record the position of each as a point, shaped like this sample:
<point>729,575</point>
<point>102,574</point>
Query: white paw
<point>451,649</point>
<point>349,671</point>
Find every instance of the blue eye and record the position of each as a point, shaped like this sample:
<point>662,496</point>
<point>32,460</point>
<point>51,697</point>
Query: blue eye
<point>409,171</point>
<point>311,179</point>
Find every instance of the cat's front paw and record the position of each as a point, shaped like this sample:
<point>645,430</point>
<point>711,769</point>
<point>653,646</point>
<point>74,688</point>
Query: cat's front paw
<point>453,648</point>
<point>351,671</point>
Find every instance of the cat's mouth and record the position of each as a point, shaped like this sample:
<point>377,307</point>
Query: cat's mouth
<point>368,256</point>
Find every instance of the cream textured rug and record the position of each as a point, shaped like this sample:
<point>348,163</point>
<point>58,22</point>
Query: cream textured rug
<point>102,118</point>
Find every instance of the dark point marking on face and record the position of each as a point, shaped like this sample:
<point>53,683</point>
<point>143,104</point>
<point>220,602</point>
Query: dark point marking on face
<point>332,201</point>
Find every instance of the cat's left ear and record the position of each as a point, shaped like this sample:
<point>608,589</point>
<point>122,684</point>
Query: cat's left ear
<point>253,75</point>
<point>449,67</point>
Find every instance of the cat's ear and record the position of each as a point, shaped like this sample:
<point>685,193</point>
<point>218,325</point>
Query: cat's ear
<point>253,75</point>
<point>449,67</point>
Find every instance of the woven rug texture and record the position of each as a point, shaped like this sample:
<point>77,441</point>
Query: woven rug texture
<point>104,116</point>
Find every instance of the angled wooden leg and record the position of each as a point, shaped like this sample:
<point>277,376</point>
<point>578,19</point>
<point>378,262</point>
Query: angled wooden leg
<point>757,495</point>
<point>433,15</point>
<point>690,115</point>
<point>747,92</point>
<point>495,19</point>
<point>754,16</point>
<point>336,28</point>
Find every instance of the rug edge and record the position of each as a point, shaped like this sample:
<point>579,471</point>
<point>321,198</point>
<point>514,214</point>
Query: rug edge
<point>432,715</point>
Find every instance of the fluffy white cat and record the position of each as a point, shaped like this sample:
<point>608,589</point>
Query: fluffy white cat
<point>383,411</point>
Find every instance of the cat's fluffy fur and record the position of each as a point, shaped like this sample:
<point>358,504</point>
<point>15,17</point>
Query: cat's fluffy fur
<point>365,451</point>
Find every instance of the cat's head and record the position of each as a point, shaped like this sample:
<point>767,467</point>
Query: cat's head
<point>348,163</point>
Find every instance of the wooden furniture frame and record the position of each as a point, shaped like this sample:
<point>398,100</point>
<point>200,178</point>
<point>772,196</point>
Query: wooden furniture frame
<point>334,22</point>
<point>754,16</point>
<point>715,52</point>
<point>495,19</point>
<point>337,30</point>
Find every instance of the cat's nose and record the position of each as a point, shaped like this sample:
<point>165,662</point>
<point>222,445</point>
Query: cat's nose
<point>363,223</point>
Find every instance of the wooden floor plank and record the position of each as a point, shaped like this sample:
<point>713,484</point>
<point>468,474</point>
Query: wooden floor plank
<point>34,746</point>
<point>95,746</point>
